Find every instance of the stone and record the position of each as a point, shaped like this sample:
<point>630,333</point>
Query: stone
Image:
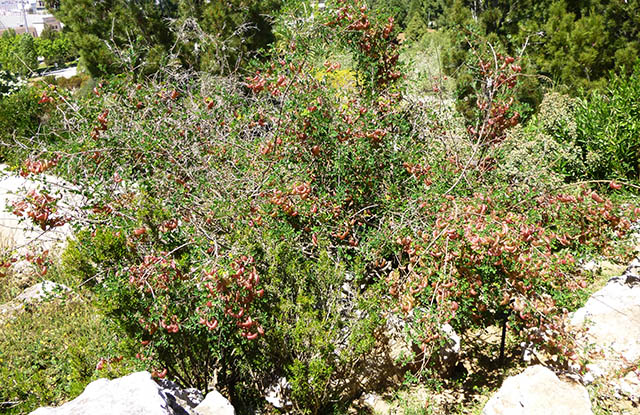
<point>135,394</point>
<point>180,399</point>
<point>377,404</point>
<point>215,404</point>
<point>41,291</point>
<point>399,349</point>
<point>32,295</point>
<point>538,391</point>
<point>450,352</point>
<point>277,394</point>
<point>20,234</point>
<point>612,319</point>
<point>629,386</point>
<point>139,394</point>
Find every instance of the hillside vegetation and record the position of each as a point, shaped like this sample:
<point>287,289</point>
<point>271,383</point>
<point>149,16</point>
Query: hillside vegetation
<point>271,207</point>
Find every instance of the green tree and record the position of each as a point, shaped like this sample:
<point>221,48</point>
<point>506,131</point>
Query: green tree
<point>582,45</point>
<point>400,9</point>
<point>56,48</point>
<point>112,27</point>
<point>18,53</point>
<point>121,35</point>
<point>421,14</point>
<point>572,42</point>
<point>28,55</point>
<point>235,28</point>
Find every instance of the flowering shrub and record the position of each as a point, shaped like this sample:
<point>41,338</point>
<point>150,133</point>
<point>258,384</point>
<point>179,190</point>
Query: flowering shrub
<point>489,254</point>
<point>41,209</point>
<point>254,226</point>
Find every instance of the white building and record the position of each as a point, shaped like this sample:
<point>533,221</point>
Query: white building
<point>35,22</point>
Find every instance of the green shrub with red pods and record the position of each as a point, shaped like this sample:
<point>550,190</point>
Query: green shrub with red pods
<point>261,225</point>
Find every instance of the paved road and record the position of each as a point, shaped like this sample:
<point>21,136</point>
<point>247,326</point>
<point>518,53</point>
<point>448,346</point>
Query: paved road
<point>63,73</point>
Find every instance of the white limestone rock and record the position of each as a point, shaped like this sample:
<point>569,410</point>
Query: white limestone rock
<point>215,404</point>
<point>22,234</point>
<point>135,394</point>
<point>538,391</point>
<point>277,394</point>
<point>612,317</point>
<point>32,295</point>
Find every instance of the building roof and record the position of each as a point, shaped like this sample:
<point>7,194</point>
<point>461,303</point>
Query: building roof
<point>16,21</point>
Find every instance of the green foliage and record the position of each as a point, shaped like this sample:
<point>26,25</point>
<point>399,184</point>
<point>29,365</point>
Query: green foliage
<point>543,153</point>
<point>529,157</point>
<point>28,53</point>
<point>583,45</point>
<point>608,129</point>
<point>20,116</point>
<point>423,15</point>
<point>49,353</point>
<point>18,53</point>
<point>55,47</point>
<point>98,38</point>
<point>73,83</point>
<point>243,25</point>
<point>572,43</point>
<point>243,229</point>
<point>209,36</point>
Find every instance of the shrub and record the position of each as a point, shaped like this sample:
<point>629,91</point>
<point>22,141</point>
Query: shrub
<point>543,154</point>
<point>244,228</point>
<point>20,117</point>
<point>531,158</point>
<point>608,129</point>
<point>74,82</point>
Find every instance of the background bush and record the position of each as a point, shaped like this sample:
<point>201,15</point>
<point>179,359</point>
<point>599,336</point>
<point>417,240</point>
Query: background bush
<point>608,129</point>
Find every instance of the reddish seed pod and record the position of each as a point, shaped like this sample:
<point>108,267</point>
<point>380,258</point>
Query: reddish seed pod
<point>614,185</point>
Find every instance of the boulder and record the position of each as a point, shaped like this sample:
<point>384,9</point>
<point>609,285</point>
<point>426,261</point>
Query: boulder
<point>277,394</point>
<point>612,319</point>
<point>538,391</point>
<point>32,295</point>
<point>215,404</point>
<point>139,394</point>
<point>41,291</point>
<point>21,233</point>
